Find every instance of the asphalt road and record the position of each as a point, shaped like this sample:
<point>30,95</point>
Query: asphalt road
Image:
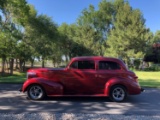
<point>12,101</point>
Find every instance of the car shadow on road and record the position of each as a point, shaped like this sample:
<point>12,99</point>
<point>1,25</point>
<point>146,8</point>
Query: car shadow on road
<point>78,99</point>
<point>146,103</point>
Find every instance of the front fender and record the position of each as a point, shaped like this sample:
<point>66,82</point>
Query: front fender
<point>50,87</point>
<point>112,82</point>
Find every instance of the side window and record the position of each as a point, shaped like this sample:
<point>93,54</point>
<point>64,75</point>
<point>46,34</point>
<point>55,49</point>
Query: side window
<point>108,65</point>
<point>86,65</point>
<point>74,65</point>
<point>83,65</point>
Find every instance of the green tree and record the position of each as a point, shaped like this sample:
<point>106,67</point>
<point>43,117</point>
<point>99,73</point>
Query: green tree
<point>73,40</point>
<point>40,33</point>
<point>13,14</point>
<point>87,38</point>
<point>129,35</point>
<point>65,39</point>
<point>100,21</point>
<point>18,10</point>
<point>156,36</point>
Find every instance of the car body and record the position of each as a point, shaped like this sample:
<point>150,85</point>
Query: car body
<point>83,76</point>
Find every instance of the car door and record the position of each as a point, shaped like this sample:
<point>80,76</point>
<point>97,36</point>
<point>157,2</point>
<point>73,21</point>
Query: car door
<point>81,77</point>
<point>106,71</point>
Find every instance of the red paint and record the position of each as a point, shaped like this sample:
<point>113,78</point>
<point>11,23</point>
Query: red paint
<point>81,82</point>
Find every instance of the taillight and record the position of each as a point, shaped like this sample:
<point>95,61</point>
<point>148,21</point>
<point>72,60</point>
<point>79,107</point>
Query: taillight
<point>31,75</point>
<point>134,78</point>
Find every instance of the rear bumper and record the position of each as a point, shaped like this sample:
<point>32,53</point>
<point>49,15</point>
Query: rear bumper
<point>135,90</point>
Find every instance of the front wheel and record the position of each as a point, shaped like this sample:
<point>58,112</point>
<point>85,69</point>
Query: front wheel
<point>118,93</point>
<point>35,92</point>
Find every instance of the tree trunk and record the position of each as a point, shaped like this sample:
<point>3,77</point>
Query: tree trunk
<point>11,61</point>
<point>20,65</point>
<point>101,52</point>
<point>54,65</point>
<point>32,63</point>
<point>43,63</point>
<point>16,64</point>
<point>7,66</point>
<point>3,65</point>
<point>24,65</point>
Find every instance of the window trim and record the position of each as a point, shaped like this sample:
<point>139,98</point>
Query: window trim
<point>109,61</point>
<point>94,62</point>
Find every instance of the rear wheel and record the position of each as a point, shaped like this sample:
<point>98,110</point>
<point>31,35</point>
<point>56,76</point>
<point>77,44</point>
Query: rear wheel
<point>118,93</point>
<point>35,92</point>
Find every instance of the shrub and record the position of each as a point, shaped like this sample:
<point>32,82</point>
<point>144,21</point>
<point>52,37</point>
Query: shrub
<point>137,62</point>
<point>154,67</point>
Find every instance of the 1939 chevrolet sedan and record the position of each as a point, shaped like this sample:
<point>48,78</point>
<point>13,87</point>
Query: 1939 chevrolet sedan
<point>84,76</point>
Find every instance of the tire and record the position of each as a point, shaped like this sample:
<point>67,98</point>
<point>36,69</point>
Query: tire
<point>35,92</point>
<point>118,93</point>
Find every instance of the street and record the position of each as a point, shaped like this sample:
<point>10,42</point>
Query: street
<point>12,101</point>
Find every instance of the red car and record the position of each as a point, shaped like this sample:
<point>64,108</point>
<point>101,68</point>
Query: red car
<point>84,76</point>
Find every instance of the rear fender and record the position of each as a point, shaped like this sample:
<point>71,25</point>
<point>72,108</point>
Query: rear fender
<point>50,87</point>
<point>112,82</point>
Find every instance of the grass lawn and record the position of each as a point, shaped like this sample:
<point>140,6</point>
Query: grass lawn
<point>16,78</point>
<point>146,79</point>
<point>149,79</point>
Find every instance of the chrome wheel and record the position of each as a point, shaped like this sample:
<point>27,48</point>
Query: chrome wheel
<point>118,94</point>
<point>35,92</point>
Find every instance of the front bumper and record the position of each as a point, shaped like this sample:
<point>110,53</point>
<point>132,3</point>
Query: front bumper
<point>20,90</point>
<point>142,90</point>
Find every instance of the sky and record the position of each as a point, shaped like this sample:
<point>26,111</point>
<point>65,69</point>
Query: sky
<point>69,10</point>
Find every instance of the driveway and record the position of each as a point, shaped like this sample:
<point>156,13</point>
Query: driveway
<point>12,101</point>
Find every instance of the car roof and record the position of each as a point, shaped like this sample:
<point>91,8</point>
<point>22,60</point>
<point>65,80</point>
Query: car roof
<point>94,58</point>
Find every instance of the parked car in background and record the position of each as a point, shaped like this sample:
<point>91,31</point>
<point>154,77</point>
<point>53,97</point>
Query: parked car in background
<point>84,76</point>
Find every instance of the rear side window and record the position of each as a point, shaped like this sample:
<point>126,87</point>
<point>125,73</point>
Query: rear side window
<point>108,65</point>
<point>83,65</point>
